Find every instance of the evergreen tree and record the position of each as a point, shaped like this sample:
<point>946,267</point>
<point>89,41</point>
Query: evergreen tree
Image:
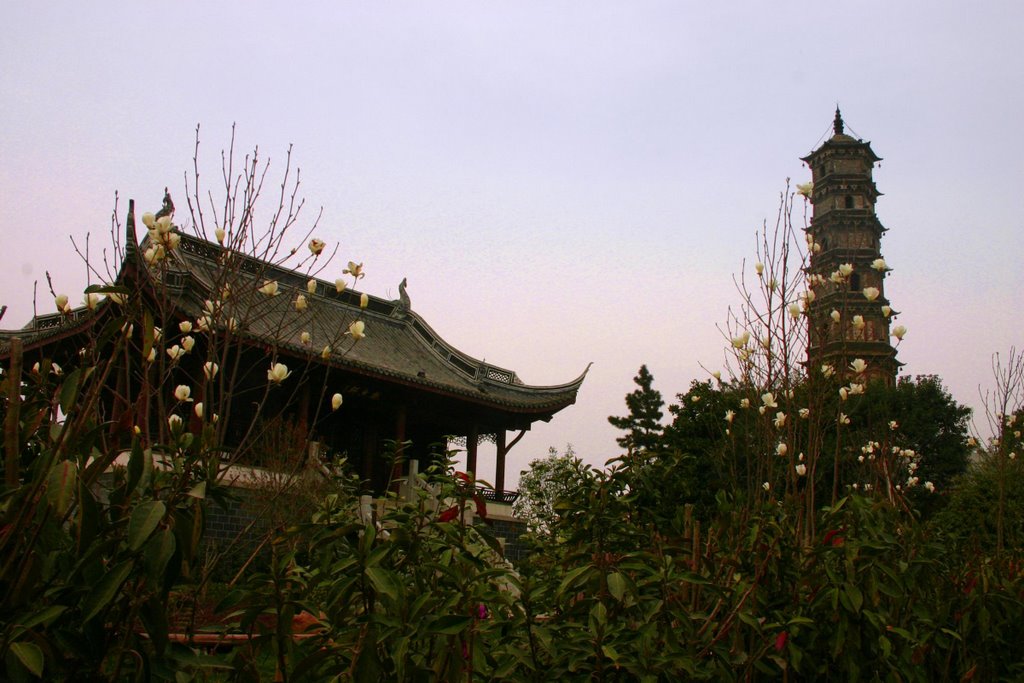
<point>643,424</point>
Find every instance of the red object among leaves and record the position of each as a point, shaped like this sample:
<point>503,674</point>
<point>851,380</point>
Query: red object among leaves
<point>780,641</point>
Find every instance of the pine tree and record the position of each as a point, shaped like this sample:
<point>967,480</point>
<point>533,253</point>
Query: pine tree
<point>643,424</point>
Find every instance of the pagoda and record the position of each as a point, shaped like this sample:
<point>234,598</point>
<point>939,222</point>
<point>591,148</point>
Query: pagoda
<point>849,315</point>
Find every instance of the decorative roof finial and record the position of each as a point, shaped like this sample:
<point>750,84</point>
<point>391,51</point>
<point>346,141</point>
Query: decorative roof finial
<point>837,125</point>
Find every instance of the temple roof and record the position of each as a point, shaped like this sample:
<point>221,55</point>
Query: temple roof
<point>399,346</point>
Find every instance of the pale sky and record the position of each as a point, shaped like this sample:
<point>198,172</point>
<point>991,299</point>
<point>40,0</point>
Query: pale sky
<point>560,182</point>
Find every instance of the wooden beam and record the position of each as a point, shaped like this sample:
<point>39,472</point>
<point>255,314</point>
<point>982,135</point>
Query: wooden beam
<point>499,461</point>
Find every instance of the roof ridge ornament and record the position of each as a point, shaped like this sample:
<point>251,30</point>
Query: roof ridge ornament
<point>837,124</point>
<point>404,303</point>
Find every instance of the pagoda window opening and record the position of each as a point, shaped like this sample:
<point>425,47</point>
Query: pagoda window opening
<point>855,282</point>
<point>849,201</point>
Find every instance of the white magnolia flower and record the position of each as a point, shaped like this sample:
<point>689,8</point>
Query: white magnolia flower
<point>805,413</point>
<point>316,246</point>
<point>62,303</point>
<point>355,270</point>
<point>182,392</point>
<point>356,329</point>
<point>204,323</point>
<point>972,442</point>
<point>148,219</point>
<point>827,370</point>
<point>339,285</point>
<point>364,300</point>
<point>175,352</point>
<point>782,449</point>
<point>846,269</point>
<point>695,399</point>
<point>163,225</point>
<point>744,403</point>
<point>157,333</point>
<point>879,265</point>
<point>300,302</point>
<point>232,324</point>
<point>894,425</point>
<point>269,288</point>
<point>780,420</point>
<point>336,401</point>
<point>326,353</point>
<point>174,422</point>
<point>185,327</point>
<point>91,300</point>
<point>219,234</point>
<point>886,311</point>
<point>717,375</point>
<point>210,369</point>
<point>187,342</point>
<point>773,284</point>
<point>836,277</point>
<point>856,389</point>
<point>199,410</point>
<point>858,322</point>
<point>835,315</point>
<point>844,419</point>
<point>741,341</point>
<point>816,248</point>
<point>152,355</point>
<point>810,296</point>
<point>766,486</point>
<point>311,286</point>
<point>858,365</point>
<point>1012,456</point>
<point>871,293</point>
<point>768,399</point>
<point>794,310</point>
<point>805,189</point>
<point>305,338</point>
<point>899,331</point>
<point>730,415</point>
<point>930,486</point>
<point>801,469</point>
<point>172,240</point>
<point>759,267</point>
<point>278,372</point>
<point>843,393</point>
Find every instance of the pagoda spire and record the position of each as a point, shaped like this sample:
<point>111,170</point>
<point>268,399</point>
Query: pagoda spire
<point>837,124</point>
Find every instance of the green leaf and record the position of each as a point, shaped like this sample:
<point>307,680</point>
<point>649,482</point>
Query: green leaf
<point>69,390</point>
<point>157,554</point>
<point>198,491</point>
<point>30,656</point>
<point>383,582</point>
<point>572,578</point>
<point>617,585</point>
<point>61,485</point>
<point>104,591</point>
<point>450,625</point>
<point>143,521</point>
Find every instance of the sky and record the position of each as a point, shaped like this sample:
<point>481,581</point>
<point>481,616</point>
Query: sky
<point>561,182</point>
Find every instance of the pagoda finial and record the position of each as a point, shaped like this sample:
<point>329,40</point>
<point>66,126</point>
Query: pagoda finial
<point>837,125</point>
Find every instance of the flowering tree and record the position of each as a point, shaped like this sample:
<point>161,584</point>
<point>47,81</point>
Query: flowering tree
<point>113,449</point>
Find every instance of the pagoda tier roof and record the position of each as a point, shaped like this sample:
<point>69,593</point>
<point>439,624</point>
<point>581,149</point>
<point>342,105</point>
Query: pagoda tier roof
<point>399,346</point>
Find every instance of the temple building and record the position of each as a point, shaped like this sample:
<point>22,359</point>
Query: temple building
<point>850,315</point>
<point>401,385</point>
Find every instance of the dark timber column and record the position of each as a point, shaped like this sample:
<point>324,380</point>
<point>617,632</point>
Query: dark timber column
<point>499,462</point>
<point>400,417</point>
<point>471,439</point>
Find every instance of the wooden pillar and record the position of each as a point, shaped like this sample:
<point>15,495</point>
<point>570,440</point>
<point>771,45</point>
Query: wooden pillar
<point>369,451</point>
<point>499,461</point>
<point>471,442</point>
<point>396,469</point>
